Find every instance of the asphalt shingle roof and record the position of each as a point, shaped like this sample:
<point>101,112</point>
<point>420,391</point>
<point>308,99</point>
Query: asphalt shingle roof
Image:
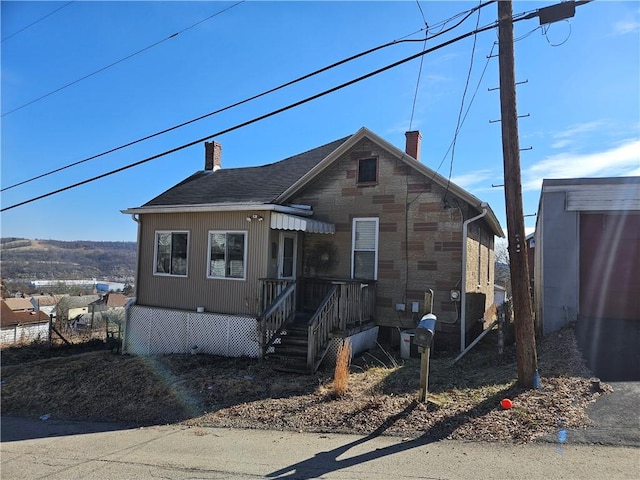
<point>10,318</point>
<point>244,185</point>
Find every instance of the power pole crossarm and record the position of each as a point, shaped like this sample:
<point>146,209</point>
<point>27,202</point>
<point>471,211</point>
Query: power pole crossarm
<point>523,319</point>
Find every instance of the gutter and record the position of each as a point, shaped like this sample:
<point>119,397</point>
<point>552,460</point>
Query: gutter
<point>301,210</point>
<point>463,293</point>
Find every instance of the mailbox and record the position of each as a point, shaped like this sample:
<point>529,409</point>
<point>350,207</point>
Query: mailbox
<point>425,330</point>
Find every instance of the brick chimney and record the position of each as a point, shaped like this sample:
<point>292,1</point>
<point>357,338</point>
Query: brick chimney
<point>212,156</point>
<point>413,144</point>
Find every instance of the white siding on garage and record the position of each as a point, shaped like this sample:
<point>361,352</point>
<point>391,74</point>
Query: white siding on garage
<point>595,198</point>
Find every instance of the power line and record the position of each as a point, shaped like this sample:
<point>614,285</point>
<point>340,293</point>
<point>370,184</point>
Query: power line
<point>259,118</point>
<point>466,113</point>
<point>406,195</point>
<point>464,95</point>
<point>489,57</point>
<point>422,13</point>
<point>149,47</point>
<point>228,107</point>
<point>37,21</point>
<point>467,14</point>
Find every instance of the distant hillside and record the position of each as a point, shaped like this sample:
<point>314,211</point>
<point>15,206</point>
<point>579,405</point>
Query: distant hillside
<point>26,260</point>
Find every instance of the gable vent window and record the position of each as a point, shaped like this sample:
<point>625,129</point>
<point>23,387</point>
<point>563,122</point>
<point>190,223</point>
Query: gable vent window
<point>364,252</point>
<point>227,255</point>
<point>367,171</point>
<point>171,253</point>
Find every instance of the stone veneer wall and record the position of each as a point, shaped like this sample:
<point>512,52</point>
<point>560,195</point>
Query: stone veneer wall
<point>419,236</point>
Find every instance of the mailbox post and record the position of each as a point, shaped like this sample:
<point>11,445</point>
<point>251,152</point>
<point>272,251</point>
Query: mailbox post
<point>423,336</point>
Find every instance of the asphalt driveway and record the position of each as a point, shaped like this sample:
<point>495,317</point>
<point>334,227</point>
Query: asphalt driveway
<point>611,348</point>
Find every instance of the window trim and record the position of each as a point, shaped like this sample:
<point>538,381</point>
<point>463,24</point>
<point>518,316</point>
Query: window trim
<point>376,249</point>
<point>245,233</point>
<point>155,252</point>
<point>368,182</point>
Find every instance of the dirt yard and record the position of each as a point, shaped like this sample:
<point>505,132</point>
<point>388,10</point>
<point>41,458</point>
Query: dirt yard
<point>90,383</point>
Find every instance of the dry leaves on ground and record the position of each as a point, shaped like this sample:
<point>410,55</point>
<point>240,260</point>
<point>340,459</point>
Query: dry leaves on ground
<point>204,390</point>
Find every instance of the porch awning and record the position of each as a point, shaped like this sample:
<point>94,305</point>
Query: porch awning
<point>282,221</point>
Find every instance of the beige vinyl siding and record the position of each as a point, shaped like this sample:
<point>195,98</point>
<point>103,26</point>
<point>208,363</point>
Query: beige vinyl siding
<point>232,296</point>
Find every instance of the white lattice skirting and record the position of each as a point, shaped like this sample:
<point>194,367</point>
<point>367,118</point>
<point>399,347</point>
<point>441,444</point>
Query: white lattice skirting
<point>156,331</point>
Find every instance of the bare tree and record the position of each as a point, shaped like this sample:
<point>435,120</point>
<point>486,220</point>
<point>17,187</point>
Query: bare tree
<point>502,266</point>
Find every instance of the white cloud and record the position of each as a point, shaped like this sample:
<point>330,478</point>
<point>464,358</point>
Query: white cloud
<point>621,160</point>
<point>468,180</point>
<point>434,77</point>
<point>568,136</point>
<point>626,26</point>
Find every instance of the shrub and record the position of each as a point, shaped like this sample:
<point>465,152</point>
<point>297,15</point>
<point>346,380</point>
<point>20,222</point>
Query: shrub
<point>341,375</point>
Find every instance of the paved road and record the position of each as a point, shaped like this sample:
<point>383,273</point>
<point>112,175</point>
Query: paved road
<point>53,449</point>
<point>179,452</point>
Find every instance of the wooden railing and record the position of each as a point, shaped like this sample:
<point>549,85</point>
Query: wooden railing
<point>274,317</point>
<point>325,320</point>
<point>270,289</point>
<point>344,304</point>
<point>338,306</point>
<point>357,303</point>
<point>357,299</point>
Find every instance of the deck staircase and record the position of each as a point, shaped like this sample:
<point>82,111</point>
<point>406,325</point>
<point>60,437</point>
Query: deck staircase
<point>298,341</point>
<point>290,353</point>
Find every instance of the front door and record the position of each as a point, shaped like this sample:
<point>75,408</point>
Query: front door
<point>287,256</point>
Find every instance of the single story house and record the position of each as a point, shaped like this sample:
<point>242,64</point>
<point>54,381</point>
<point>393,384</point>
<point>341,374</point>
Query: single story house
<point>109,306</point>
<point>19,304</point>
<point>22,325</point>
<point>346,240</point>
<point>71,307</point>
<point>47,303</point>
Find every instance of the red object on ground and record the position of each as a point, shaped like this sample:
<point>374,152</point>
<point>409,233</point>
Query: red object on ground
<point>506,403</point>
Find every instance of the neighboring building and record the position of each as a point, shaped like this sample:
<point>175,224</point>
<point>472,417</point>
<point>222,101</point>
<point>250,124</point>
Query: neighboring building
<point>21,325</point>
<point>19,304</point>
<point>46,303</point>
<point>499,294</point>
<point>109,306</point>
<point>587,251</point>
<point>103,286</point>
<point>71,307</point>
<point>356,232</point>
<point>531,255</point>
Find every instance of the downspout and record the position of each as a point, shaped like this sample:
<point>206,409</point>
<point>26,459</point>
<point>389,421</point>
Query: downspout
<point>463,293</point>
<point>136,218</point>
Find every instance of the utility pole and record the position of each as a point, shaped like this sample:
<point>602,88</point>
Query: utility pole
<point>526,356</point>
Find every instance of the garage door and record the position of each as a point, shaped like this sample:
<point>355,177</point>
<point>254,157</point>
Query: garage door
<point>610,265</point>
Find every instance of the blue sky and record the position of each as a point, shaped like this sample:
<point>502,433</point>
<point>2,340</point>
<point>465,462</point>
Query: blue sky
<point>581,96</point>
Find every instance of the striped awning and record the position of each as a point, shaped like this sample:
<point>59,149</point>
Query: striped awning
<point>283,221</point>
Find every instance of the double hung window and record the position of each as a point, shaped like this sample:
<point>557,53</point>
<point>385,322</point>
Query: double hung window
<point>364,249</point>
<point>227,255</point>
<point>171,253</point>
